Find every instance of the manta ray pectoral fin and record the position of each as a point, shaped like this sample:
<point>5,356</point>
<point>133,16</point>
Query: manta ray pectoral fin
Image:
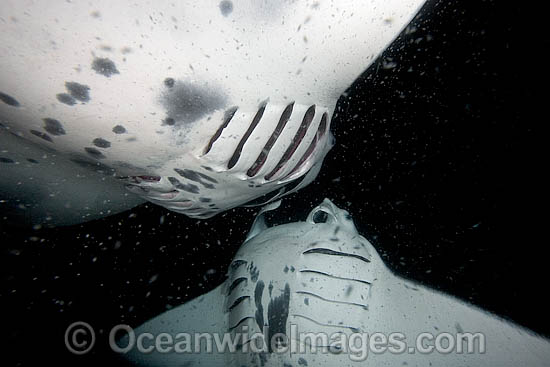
<point>178,333</point>
<point>40,186</point>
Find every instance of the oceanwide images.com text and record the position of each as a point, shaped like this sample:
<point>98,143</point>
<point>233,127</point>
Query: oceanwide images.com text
<point>80,338</point>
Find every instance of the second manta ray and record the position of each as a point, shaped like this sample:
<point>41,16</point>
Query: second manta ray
<point>312,294</point>
<point>198,106</point>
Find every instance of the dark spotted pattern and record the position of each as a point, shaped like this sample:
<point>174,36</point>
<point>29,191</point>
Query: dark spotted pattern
<point>32,160</point>
<point>53,126</point>
<point>185,187</point>
<point>42,135</point>
<point>119,129</point>
<point>94,152</point>
<point>9,100</point>
<point>187,102</point>
<point>194,176</point>
<point>169,121</point>
<point>102,143</point>
<point>254,272</point>
<point>104,66</point>
<point>6,160</point>
<point>226,7</point>
<point>78,91</point>
<point>259,315</point>
<point>277,314</point>
<point>66,99</point>
<point>169,82</point>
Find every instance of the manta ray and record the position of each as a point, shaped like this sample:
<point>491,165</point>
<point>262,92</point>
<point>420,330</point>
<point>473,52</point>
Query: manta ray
<point>321,278</point>
<point>197,106</point>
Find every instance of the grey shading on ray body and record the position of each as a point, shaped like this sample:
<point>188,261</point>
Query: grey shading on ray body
<point>104,66</point>
<point>42,193</point>
<point>53,126</point>
<point>187,102</point>
<point>78,91</point>
<point>101,143</point>
<point>93,152</point>
<point>119,129</point>
<point>9,100</point>
<point>226,7</point>
<point>41,135</point>
<point>66,99</point>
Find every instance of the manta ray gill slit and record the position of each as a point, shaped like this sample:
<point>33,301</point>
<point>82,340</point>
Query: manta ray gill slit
<point>235,157</point>
<point>252,171</point>
<point>300,134</point>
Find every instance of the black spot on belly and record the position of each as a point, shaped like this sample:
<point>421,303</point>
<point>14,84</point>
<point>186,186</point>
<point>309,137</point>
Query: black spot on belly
<point>195,176</point>
<point>226,7</point>
<point>66,98</point>
<point>94,152</point>
<point>102,143</point>
<point>32,160</point>
<point>169,82</point>
<point>53,126</point>
<point>78,91</point>
<point>189,174</point>
<point>205,200</point>
<point>9,100</point>
<point>119,129</point>
<point>104,66</point>
<point>187,102</point>
<point>185,187</point>
<point>41,135</point>
<point>254,273</point>
<point>6,160</point>
<point>259,314</point>
<point>169,121</point>
<point>277,314</point>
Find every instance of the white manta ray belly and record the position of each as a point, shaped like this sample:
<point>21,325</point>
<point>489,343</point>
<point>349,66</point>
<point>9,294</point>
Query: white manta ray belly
<point>198,106</point>
<point>298,294</point>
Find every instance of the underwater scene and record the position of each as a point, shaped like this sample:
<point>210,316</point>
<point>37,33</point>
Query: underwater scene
<point>273,183</point>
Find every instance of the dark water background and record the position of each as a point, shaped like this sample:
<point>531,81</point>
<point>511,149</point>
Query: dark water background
<point>439,159</point>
